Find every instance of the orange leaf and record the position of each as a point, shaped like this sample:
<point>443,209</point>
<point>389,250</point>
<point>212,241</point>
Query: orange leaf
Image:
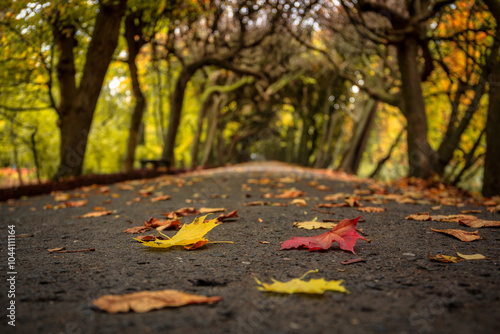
<point>232,214</point>
<point>145,301</point>
<point>461,235</point>
<point>420,216</point>
<point>96,214</point>
<point>371,209</point>
<point>291,194</point>
<point>181,213</point>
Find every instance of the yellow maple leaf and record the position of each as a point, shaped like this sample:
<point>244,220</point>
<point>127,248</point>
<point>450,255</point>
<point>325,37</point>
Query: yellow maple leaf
<point>191,236</point>
<point>297,285</point>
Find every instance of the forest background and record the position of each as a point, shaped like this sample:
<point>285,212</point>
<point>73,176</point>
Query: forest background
<point>384,89</point>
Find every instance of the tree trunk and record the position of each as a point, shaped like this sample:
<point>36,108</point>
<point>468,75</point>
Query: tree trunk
<point>211,129</point>
<point>491,181</point>
<point>77,105</point>
<point>352,157</point>
<point>420,155</point>
<point>131,31</point>
<point>174,116</point>
<point>207,105</point>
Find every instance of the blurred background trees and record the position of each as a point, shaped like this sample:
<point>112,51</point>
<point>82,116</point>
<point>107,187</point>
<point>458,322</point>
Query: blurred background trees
<point>375,88</point>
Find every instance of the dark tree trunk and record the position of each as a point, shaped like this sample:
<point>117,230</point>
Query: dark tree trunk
<point>78,104</point>
<point>491,182</point>
<point>174,116</point>
<point>207,105</point>
<point>352,157</point>
<point>420,155</point>
<point>132,30</point>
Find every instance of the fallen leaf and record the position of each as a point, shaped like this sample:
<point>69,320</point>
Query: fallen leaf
<point>203,211</point>
<point>115,195</point>
<point>161,198</point>
<point>99,208</point>
<point>190,236</point>
<point>351,261</point>
<point>335,197</point>
<point>371,209</point>
<point>494,209</point>
<point>291,194</point>
<point>312,225</point>
<point>471,257</point>
<point>96,214</point>
<point>461,235</point>
<point>264,242</point>
<point>72,251</point>
<point>71,204</point>
<point>423,216</point>
<point>181,213</point>
<point>137,229</point>
<point>61,197</point>
<point>478,223</point>
<point>256,203</point>
<point>297,285</point>
<point>451,218</point>
<point>145,301</point>
<point>471,211</point>
<point>299,202</point>
<point>353,202</point>
<point>443,258</point>
<point>323,188</point>
<point>232,214</point>
<point>344,233</point>
<point>56,249</point>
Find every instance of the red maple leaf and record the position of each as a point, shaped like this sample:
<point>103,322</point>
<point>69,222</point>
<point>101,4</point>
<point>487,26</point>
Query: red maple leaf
<point>344,233</point>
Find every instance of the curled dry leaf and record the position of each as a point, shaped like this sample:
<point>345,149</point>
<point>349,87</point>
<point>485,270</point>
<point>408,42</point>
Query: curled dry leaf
<point>422,216</point>
<point>371,209</point>
<point>461,235</point>
<point>291,194</point>
<point>232,214</point>
<point>181,213</point>
<point>494,209</point>
<point>298,202</point>
<point>478,223</point>
<point>344,233</point>
<point>71,204</point>
<point>297,285</point>
<point>145,301</point>
<point>443,258</point>
<point>96,214</point>
<point>256,203</point>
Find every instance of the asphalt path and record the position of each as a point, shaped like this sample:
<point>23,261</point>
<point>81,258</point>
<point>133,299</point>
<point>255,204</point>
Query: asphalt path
<point>395,289</point>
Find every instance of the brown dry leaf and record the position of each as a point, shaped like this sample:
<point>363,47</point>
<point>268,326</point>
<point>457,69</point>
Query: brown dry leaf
<point>61,197</point>
<point>96,214</point>
<point>146,192</point>
<point>437,207</point>
<point>145,301</point>
<point>451,218</point>
<point>312,225</point>
<point>256,203</point>
<point>471,211</point>
<point>204,211</point>
<point>115,195</point>
<point>459,234</point>
<point>72,204</point>
<point>291,194</point>
<point>181,213</point>
<point>351,261</point>
<point>298,202</point>
<point>327,205</point>
<point>264,242</point>
<point>125,187</point>
<point>478,223</point>
<point>161,198</point>
<point>495,209</point>
<point>99,208</point>
<point>335,197</point>
<point>232,214</point>
<point>443,258</point>
<point>420,216</point>
<point>323,188</point>
<point>362,192</point>
<point>137,229</point>
<point>371,209</point>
